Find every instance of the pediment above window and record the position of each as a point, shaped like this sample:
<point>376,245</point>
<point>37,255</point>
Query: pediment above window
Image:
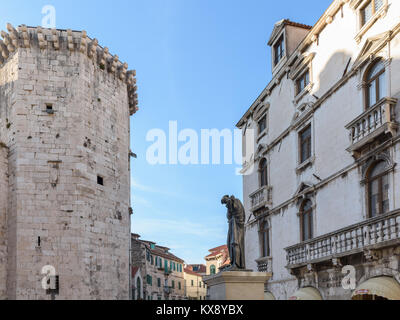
<point>304,186</point>
<point>260,111</point>
<point>301,64</point>
<point>371,47</point>
<point>260,151</point>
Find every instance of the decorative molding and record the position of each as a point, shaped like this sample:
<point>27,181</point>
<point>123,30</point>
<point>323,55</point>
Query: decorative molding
<point>381,13</point>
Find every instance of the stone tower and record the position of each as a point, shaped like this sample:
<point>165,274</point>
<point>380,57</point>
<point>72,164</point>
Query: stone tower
<point>65,107</point>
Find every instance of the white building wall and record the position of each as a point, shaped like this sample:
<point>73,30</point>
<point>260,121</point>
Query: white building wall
<point>340,201</point>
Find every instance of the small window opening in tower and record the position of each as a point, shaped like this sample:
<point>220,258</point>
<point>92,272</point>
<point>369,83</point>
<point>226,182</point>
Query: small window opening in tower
<point>100,180</point>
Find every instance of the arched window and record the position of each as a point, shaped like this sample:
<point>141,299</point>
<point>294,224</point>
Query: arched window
<point>375,84</point>
<point>265,240</point>
<point>213,269</point>
<point>306,220</point>
<point>138,289</point>
<point>378,189</point>
<point>263,172</point>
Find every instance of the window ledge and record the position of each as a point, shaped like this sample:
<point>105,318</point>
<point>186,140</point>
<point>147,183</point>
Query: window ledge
<point>305,164</point>
<point>381,13</point>
<point>305,91</point>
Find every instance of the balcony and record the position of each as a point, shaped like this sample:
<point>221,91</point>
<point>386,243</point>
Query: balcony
<point>264,264</point>
<point>377,120</point>
<point>372,234</point>
<point>261,198</point>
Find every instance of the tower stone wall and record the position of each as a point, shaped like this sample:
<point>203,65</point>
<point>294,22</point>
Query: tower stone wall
<point>65,104</point>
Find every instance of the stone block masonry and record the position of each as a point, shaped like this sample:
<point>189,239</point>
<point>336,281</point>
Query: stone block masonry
<point>65,104</point>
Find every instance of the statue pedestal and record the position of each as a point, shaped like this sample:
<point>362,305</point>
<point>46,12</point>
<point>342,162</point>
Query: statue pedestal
<point>237,285</point>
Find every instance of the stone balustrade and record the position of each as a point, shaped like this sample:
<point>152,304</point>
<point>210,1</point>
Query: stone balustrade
<point>373,122</point>
<point>262,197</point>
<point>373,233</point>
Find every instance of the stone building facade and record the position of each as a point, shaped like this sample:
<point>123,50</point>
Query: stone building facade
<point>195,287</point>
<point>162,273</point>
<point>65,106</point>
<point>322,187</point>
<point>218,258</point>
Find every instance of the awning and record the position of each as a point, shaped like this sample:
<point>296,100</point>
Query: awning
<point>269,296</point>
<point>307,294</point>
<point>385,287</point>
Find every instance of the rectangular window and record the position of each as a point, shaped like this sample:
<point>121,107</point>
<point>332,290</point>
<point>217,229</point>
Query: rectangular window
<point>173,284</point>
<point>179,285</point>
<point>192,283</point>
<point>305,144</point>
<point>302,82</point>
<point>149,280</point>
<point>279,50</point>
<point>370,9</point>
<point>159,282</point>
<point>100,180</point>
<point>262,124</point>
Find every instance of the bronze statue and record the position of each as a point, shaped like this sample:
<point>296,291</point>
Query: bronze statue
<point>236,219</point>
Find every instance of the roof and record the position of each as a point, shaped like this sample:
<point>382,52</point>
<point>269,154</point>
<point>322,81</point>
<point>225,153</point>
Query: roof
<point>201,268</point>
<point>221,250</point>
<point>283,23</point>
<point>166,255</point>
<point>188,271</point>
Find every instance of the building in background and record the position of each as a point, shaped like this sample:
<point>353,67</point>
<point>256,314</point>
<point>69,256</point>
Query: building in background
<point>322,188</point>
<point>218,258</point>
<point>65,107</point>
<point>198,268</point>
<point>159,274</point>
<point>195,288</point>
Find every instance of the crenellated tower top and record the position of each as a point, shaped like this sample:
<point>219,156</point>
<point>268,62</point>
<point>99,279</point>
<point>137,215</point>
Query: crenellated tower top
<point>73,41</point>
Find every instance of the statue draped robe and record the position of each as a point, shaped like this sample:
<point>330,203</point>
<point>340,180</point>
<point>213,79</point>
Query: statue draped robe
<point>236,219</point>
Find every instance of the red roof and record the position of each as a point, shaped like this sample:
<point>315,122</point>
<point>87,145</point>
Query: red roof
<point>218,250</point>
<point>200,268</point>
<point>188,271</point>
<point>296,24</point>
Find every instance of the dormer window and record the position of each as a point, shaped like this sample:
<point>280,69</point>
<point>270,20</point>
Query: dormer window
<point>279,50</point>
<point>370,9</point>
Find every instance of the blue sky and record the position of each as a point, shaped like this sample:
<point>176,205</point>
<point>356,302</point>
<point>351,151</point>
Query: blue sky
<point>200,63</point>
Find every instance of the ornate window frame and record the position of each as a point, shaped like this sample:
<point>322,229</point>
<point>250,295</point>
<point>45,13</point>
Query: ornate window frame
<point>260,173</point>
<point>365,171</point>
<point>261,111</point>
<point>303,65</point>
<point>358,6</point>
<point>301,166</point>
<point>261,231</point>
<point>300,203</point>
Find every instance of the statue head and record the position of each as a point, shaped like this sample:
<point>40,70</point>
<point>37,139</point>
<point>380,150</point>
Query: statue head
<point>225,199</point>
